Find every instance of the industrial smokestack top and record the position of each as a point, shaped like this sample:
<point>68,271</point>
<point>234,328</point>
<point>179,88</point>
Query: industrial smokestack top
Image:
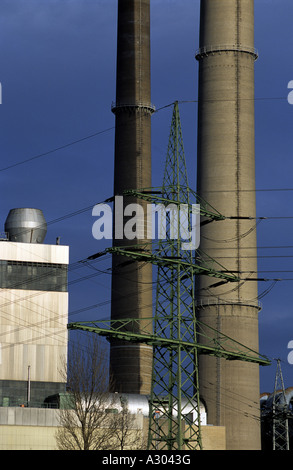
<point>26,225</point>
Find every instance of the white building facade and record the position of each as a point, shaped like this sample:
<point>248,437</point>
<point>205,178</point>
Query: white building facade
<point>33,322</point>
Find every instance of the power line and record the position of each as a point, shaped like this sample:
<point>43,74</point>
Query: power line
<point>70,144</point>
<point>103,131</point>
<point>35,157</point>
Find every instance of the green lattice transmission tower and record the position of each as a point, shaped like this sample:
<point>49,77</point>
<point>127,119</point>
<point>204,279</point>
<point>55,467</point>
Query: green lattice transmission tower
<point>174,418</point>
<point>175,402</point>
<point>175,406</point>
<point>280,413</point>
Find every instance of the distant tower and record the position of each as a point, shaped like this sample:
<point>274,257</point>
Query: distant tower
<point>34,312</point>
<point>280,413</point>
<point>132,281</point>
<point>226,180</point>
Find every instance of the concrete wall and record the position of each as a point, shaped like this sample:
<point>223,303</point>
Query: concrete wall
<point>213,437</point>
<point>34,252</point>
<point>35,429</point>
<point>28,429</point>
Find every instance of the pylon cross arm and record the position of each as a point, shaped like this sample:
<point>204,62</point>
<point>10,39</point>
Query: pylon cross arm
<point>142,253</point>
<point>156,196</point>
<point>171,343</point>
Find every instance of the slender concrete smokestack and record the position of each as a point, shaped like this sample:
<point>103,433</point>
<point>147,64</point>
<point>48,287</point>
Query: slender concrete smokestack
<point>131,364</point>
<point>226,179</point>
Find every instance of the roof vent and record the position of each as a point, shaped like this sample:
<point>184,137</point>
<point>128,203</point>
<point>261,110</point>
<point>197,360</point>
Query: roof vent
<point>26,225</point>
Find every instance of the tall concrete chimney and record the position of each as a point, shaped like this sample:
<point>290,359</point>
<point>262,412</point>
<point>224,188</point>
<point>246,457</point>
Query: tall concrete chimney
<point>226,179</point>
<point>131,364</point>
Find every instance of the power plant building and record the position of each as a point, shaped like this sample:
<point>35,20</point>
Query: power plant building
<point>34,312</point>
<point>33,275</point>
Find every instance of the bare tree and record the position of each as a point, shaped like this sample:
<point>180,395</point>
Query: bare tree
<point>127,428</point>
<point>84,423</point>
<point>94,418</point>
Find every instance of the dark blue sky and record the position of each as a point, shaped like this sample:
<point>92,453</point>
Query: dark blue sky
<point>58,65</point>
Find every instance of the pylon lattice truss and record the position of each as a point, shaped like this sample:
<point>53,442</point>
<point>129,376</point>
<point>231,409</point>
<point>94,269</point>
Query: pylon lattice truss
<point>174,418</point>
<point>280,413</point>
